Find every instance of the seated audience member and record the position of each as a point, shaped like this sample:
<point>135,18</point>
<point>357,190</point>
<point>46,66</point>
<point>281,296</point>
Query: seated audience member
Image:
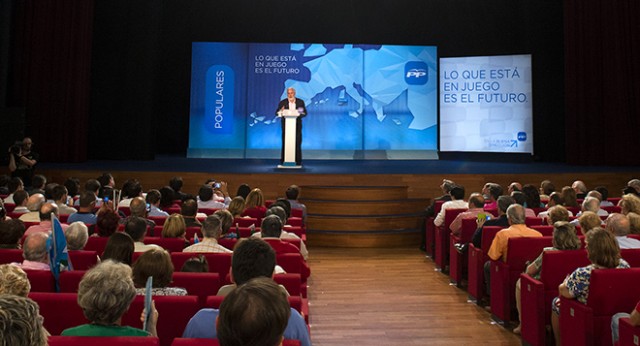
<point>630,203</point>
<point>293,193</point>
<point>168,198</point>
<point>77,235</point>
<point>503,204</point>
<point>252,258</point>
<point>236,207</point>
<point>604,253</point>
<point>14,185</point>
<point>85,214</point>
<point>285,205</point>
<point>20,322</point>
<point>446,187</point>
<point>564,238</point>
<point>491,192</point>
<point>11,231</point>
<point>138,208</point>
<point>189,211</point>
<point>176,185</point>
<point>226,221</point>
<point>271,229</point>
<point>620,227</point>
<point>532,196</point>
<point>243,191</point>
<point>48,192</point>
<point>106,180</point>
<point>45,216</point>
<point>107,222</point>
<point>119,248</point>
<point>175,227</point>
<point>635,185</point>
<point>568,196</point>
<point>34,203</point>
<point>92,186</point>
<point>457,202</point>
<point>555,199</point>
<point>634,319</point>
<point>36,256</point>
<point>546,189</point>
<point>499,245</point>
<point>557,213</point>
<point>476,205</point>
<point>156,263</point>
<point>514,186</point>
<point>130,190</point>
<point>588,221</point>
<point>634,220</point>
<point>206,198</point>
<point>254,204</point>
<point>60,195</point>
<point>280,213</point>
<point>257,310</point>
<point>104,294</point>
<point>13,280</point>
<point>20,197</point>
<point>592,204</point>
<point>196,264</point>
<point>521,199</point>
<point>580,188</point>
<point>73,189</point>
<point>153,199</point>
<point>211,230</point>
<point>604,195</point>
<point>136,227</point>
<point>37,184</point>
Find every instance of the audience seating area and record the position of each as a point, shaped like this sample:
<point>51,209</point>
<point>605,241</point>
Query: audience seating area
<point>611,290</point>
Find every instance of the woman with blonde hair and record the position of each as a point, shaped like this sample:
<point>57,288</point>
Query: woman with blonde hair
<point>13,280</point>
<point>236,206</point>
<point>630,203</point>
<point>634,220</point>
<point>254,206</point>
<point>564,238</point>
<point>588,221</point>
<point>604,253</point>
<point>174,227</point>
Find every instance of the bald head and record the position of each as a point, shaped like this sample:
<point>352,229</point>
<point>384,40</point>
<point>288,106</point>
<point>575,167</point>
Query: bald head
<point>138,207</point>
<point>579,186</point>
<point>35,248</point>
<point>35,202</point>
<point>618,224</point>
<point>591,204</point>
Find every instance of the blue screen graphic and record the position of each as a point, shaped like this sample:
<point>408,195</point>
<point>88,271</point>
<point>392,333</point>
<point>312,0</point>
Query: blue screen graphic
<point>360,99</point>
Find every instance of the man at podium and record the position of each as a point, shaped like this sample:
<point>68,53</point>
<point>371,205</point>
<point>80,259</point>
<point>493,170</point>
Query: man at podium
<point>293,103</point>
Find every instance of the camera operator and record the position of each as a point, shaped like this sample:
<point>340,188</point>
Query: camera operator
<point>22,160</point>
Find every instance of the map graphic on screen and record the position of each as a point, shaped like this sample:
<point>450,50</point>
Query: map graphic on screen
<point>359,98</point>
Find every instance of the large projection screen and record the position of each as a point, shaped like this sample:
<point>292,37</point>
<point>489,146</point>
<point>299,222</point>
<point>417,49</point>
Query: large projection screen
<point>485,104</point>
<point>363,101</point>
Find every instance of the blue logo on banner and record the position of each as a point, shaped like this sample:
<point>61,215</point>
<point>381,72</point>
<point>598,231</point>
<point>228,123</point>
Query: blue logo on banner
<point>522,136</point>
<point>416,73</point>
<point>218,106</point>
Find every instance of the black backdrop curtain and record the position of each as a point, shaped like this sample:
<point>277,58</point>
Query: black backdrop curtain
<point>49,77</point>
<point>602,81</point>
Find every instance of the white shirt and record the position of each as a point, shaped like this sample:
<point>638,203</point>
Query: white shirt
<point>455,204</point>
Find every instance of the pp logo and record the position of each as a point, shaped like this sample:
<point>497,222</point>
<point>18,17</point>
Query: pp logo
<point>522,136</point>
<point>416,73</point>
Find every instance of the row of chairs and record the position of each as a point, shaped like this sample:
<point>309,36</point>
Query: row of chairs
<point>61,311</point>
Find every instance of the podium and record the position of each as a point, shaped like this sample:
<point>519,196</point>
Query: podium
<point>289,117</point>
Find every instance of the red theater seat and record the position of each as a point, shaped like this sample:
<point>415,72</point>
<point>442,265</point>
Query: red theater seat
<point>458,262</point>
<point>609,293</point>
<point>536,295</point>
<point>245,222</point>
<point>10,256</point>
<point>430,230</point>
<point>477,258</point>
<point>218,263</point>
<point>70,281</point>
<point>629,335</point>
<point>442,238</point>
<point>197,284</point>
<point>41,280</point>
<point>60,311</point>
<point>546,230</point>
<point>96,244</point>
<point>505,274</point>
<point>159,220</point>
<point>169,244</point>
<point>82,259</point>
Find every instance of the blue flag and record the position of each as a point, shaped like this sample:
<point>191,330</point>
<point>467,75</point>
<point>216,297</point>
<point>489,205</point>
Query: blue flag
<point>58,252</point>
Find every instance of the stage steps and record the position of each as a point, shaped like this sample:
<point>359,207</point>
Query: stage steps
<point>362,216</point>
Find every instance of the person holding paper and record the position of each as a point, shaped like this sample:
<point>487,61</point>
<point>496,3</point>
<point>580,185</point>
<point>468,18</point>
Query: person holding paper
<point>293,103</point>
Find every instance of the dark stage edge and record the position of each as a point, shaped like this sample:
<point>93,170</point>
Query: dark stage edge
<point>269,166</point>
